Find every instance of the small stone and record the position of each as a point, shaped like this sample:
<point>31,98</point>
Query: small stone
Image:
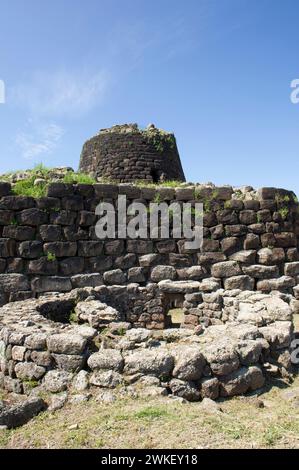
<point>81,381</point>
<point>58,401</point>
<point>73,427</point>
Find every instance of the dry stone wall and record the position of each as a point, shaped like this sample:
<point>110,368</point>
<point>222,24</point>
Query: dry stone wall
<point>49,245</point>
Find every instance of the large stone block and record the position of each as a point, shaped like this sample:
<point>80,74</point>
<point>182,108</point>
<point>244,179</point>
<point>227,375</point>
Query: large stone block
<point>30,249</point>
<point>7,248</point>
<point>66,343</point>
<point>226,269</point>
<point>239,282</point>
<point>90,248</point>
<point>13,283</point>
<point>51,284</point>
<point>261,272</point>
<point>61,249</point>
<point>19,233</point>
<point>32,217</point>
<point>163,272</point>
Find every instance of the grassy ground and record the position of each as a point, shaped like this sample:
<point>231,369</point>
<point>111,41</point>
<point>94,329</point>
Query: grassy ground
<point>164,423</point>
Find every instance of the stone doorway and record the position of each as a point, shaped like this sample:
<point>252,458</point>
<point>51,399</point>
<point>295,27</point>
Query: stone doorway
<point>174,310</point>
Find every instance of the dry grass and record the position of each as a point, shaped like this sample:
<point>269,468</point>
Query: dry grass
<point>164,423</point>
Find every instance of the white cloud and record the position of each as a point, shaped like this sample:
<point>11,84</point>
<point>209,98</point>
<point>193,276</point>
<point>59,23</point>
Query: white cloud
<point>61,93</point>
<point>41,140</point>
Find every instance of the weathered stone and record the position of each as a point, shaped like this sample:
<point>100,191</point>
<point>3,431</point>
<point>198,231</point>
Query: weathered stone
<point>281,283</point>
<point>32,217</point>
<point>13,283</point>
<point>56,381</point>
<point>248,217</point>
<point>244,256</point>
<point>69,362</point>
<point>189,363</point>
<point>42,358</point>
<point>51,284</point>
<point>158,363</point>
<point>149,260</point>
<point>61,249</point>
<point>178,287</point>
<point>20,413</point>
<point>87,280</point>
<point>230,245</point>
<point>7,248</point>
<point>235,383</point>
<point>227,217</point>
<point>12,385</point>
<point>60,190</point>
<point>285,239</point>
<point>252,242</point>
<point>18,353</point>
<point>261,272</point>
<point>138,335</point>
<point>114,247</point>
<point>278,334</point>
<point>30,249</point>
<point>249,352</point>
<point>187,390</point>
<point>19,232</point>
<point>114,277</point>
<point>71,266</point>
<point>239,282</point>
<point>106,379</point>
<point>210,388</point>
<point>73,202</point>
<point>64,343</point>
<point>210,258</point>
<point>50,233</point>
<point>43,266</point>
<point>140,247</point>
<point>81,381</point>
<point>29,371</point>
<point>36,341</point>
<point>291,269</point>
<point>166,246</point>
<point>90,248</point>
<point>222,357</point>
<point>271,256</point>
<point>159,273</point>
<point>226,269</point>
<point>96,313</point>
<point>136,275</point>
<point>58,401</point>
<point>106,359</point>
<point>5,188</point>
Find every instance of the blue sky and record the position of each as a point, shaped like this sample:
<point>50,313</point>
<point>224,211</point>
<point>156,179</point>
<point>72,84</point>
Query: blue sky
<point>216,72</point>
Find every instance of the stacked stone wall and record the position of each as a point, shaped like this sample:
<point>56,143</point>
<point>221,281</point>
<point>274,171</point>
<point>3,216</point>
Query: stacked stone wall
<point>49,245</point>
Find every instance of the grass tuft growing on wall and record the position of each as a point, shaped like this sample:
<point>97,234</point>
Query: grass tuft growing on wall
<point>28,188</point>
<point>78,178</point>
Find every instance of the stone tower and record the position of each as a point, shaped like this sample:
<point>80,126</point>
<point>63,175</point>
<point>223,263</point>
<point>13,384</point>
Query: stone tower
<point>125,153</point>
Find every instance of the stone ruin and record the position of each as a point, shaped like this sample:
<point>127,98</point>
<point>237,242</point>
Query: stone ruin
<point>126,153</point>
<point>81,314</point>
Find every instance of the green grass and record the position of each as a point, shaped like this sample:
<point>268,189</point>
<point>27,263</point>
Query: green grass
<point>165,184</point>
<point>284,212</point>
<point>152,412</point>
<point>51,257</point>
<point>27,188</point>
<point>78,178</point>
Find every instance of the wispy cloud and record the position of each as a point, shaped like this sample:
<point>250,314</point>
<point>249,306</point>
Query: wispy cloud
<point>40,141</point>
<point>61,93</point>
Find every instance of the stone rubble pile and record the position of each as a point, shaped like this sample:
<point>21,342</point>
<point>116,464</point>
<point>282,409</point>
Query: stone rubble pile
<point>41,351</point>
